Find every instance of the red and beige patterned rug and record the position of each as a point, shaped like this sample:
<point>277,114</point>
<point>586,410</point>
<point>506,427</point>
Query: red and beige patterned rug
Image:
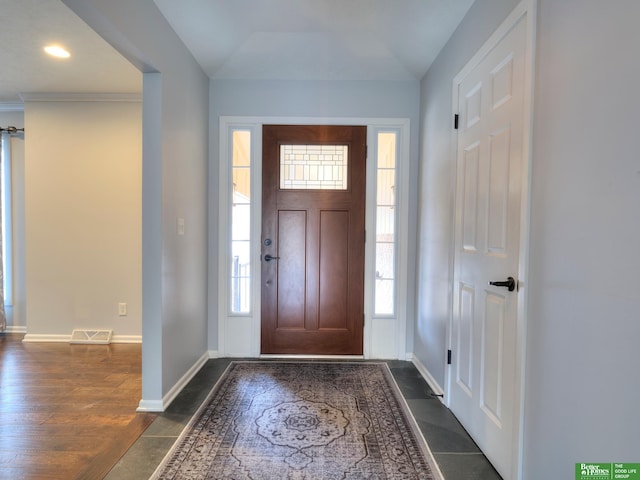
<point>302,421</point>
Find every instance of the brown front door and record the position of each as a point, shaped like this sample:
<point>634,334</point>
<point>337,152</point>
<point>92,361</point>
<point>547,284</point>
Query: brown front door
<point>313,217</point>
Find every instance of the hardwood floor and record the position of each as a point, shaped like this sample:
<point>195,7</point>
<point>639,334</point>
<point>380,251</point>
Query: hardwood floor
<point>67,411</point>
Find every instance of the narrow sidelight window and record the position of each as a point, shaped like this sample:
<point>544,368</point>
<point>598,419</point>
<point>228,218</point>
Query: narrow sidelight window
<point>386,224</point>
<point>241,223</point>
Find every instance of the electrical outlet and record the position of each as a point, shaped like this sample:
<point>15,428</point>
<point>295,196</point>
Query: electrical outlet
<point>122,309</point>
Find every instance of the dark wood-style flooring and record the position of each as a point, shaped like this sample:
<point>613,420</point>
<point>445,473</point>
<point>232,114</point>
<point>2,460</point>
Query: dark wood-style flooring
<point>67,411</point>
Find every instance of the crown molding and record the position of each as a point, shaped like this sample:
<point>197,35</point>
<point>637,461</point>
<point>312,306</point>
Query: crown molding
<point>81,97</point>
<point>11,107</point>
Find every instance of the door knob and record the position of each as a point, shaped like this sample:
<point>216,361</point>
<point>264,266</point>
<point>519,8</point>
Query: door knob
<point>510,283</point>
<point>268,258</point>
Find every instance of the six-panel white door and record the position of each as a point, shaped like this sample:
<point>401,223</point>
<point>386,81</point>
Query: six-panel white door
<point>487,241</point>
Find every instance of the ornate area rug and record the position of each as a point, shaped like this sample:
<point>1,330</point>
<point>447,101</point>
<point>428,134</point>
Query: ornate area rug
<point>302,421</point>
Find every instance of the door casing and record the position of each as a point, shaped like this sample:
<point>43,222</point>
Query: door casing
<point>239,334</point>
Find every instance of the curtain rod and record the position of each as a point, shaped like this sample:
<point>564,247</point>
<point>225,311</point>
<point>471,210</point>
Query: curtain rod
<point>11,130</point>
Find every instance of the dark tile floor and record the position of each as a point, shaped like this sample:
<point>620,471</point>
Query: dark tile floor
<point>455,452</point>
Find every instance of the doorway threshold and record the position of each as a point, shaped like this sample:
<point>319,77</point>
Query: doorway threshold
<point>290,356</point>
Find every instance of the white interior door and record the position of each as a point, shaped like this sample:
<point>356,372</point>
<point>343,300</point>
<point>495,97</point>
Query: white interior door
<point>490,159</point>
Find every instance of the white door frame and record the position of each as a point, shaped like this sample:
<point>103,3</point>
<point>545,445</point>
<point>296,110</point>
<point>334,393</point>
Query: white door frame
<point>526,11</point>
<point>385,337</point>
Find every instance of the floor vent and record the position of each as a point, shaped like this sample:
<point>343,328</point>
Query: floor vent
<point>102,337</point>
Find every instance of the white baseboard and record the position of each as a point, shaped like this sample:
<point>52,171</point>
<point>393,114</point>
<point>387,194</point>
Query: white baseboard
<point>214,354</point>
<point>435,386</point>
<point>126,339</point>
<point>170,396</point>
<point>150,406</point>
<point>15,329</point>
<point>35,337</point>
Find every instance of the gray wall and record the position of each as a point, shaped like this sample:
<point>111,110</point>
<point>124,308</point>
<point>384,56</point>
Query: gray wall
<point>82,213</point>
<point>582,385</point>
<point>175,157</point>
<point>582,394</point>
<point>312,99</point>
<point>436,181</point>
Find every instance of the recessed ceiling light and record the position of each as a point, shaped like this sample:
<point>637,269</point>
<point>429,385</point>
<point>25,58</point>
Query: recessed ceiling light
<point>57,51</point>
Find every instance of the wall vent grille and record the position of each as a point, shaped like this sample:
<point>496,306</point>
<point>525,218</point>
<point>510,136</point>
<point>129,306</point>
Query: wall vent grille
<point>102,337</point>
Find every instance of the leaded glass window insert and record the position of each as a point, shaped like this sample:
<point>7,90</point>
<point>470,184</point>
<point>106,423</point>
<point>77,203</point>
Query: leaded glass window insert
<point>313,167</point>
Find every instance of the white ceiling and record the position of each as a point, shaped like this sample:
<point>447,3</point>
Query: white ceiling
<point>261,39</point>
<point>315,39</point>
<point>26,26</point>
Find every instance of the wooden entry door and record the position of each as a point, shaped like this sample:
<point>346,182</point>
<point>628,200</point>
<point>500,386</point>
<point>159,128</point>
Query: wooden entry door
<point>313,219</point>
